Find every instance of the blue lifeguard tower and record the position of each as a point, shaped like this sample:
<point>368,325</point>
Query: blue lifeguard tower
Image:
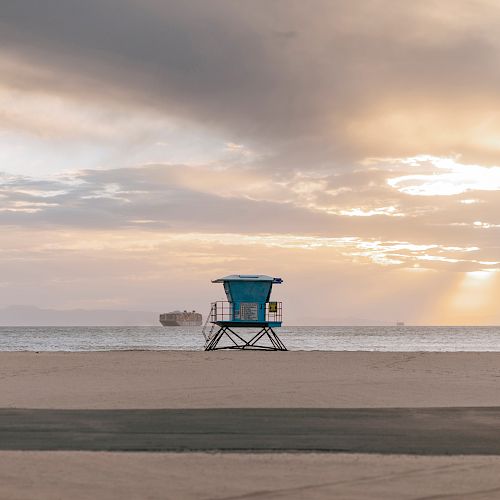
<point>247,307</point>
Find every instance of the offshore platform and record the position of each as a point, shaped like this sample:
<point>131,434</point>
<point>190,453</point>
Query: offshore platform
<point>247,319</point>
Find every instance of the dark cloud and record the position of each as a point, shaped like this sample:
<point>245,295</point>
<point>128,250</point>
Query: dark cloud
<point>301,79</point>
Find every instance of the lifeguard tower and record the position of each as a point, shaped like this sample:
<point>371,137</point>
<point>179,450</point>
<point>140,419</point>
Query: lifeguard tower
<point>247,307</point>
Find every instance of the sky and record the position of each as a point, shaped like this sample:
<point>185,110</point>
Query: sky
<point>351,147</point>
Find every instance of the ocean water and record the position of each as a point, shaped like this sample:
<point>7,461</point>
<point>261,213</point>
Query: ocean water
<point>307,338</point>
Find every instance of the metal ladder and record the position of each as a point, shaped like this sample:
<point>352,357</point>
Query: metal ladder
<point>209,334</point>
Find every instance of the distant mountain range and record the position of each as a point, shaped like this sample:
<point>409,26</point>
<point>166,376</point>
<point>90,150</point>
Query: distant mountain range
<point>34,316</point>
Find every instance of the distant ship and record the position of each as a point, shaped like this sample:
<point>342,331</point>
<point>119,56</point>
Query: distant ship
<point>178,318</point>
<point>400,323</point>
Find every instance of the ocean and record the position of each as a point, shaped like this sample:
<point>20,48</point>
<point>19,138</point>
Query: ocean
<point>306,338</point>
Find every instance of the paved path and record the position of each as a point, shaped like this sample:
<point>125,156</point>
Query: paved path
<point>433,431</point>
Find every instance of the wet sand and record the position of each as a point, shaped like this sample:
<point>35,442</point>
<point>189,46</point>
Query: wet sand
<point>416,431</point>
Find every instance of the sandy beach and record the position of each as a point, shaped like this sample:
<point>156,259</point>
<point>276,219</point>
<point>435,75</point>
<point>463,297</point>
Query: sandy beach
<point>179,379</point>
<point>204,476</point>
<point>419,385</point>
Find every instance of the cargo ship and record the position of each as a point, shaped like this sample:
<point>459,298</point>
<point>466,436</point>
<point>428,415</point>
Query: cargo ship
<point>181,318</point>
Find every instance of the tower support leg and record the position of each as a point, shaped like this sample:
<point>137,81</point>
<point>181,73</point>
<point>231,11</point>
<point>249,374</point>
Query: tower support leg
<point>239,342</point>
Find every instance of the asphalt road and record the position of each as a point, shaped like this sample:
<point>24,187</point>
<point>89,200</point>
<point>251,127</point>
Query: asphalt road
<point>420,431</point>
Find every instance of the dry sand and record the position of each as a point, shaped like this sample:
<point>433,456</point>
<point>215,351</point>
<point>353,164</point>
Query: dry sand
<point>106,476</point>
<point>248,380</point>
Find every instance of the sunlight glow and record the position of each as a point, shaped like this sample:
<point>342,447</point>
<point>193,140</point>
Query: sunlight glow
<point>448,177</point>
<point>480,275</point>
<point>473,300</point>
<point>485,225</point>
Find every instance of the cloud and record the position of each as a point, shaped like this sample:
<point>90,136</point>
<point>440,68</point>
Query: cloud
<point>448,177</point>
<point>349,137</point>
<point>315,86</point>
<point>301,212</point>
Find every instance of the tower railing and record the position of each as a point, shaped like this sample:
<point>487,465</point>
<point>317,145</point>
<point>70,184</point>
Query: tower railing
<point>274,311</point>
<point>221,311</point>
<point>224,311</point>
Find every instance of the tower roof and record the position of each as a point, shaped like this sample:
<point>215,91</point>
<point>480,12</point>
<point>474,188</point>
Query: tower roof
<point>248,277</point>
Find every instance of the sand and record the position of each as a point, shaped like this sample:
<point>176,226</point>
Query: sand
<point>180,379</point>
<point>189,380</point>
<point>106,476</point>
